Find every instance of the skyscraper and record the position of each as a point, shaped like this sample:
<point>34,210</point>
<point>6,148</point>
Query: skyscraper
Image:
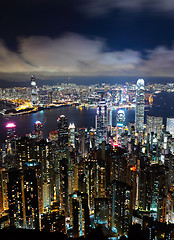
<point>101,122</point>
<point>154,124</point>
<point>11,127</point>
<point>62,130</point>
<point>139,111</point>
<point>34,94</point>
<point>38,130</point>
<point>170,126</point>
<point>71,133</point>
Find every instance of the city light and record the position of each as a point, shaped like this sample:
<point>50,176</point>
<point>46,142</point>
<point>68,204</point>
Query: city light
<point>96,167</point>
<point>10,125</point>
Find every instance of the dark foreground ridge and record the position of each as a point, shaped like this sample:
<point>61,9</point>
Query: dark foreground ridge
<point>135,233</point>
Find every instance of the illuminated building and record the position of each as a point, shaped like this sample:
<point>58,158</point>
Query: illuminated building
<point>120,207</point>
<point>124,94</point>
<point>3,191</point>
<point>53,135</point>
<point>101,211</point>
<point>45,158</point>
<point>170,126</point>
<point>120,125</point>
<point>11,129</point>
<point>139,111</point>
<point>155,184</point>
<point>30,188</point>
<point>62,130</point>
<point>82,141</point>
<point>109,122</point>
<point>34,94</point>
<point>25,151</point>
<point>38,130</point>
<point>53,222</point>
<point>62,184</point>
<point>101,123</point>
<point>79,214</point>
<point>71,133</point>
<point>16,199</point>
<point>154,124</point>
<point>23,198</point>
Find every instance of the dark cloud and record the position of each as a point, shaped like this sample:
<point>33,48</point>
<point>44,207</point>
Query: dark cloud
<point>102,7</point>
<point>75,55</point>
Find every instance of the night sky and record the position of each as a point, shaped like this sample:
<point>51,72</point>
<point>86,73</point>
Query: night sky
<point>86,38</point>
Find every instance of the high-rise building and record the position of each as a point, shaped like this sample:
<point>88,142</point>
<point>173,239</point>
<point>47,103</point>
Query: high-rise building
<point>34,94</point>
<point>71,132</point>
<point>101,211</point>
<point>62,130</point>
<point>154,124</point>
<point>120,207</point>
<point>101,123</point>
<point>79,214</point>
<point>11,129</point>
<point>170,126</point>
<point>139,111</point>
<point>38,130</point>
<point>23,198</point>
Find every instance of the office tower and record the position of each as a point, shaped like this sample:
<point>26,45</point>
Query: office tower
<point>46,160</point>
<point>62,130</point>
<point>109,122</point>
<point>53,222</point>
<point>34,94</point>
<point>23,198</point>
<point>16,199</point>
<point>30,188</point>
<point>3,191</point>
<point>120,207</point>
<point>25,151</point>
<point>101,211</point>
<point>154,124</point>
<point>79,214</point>
<point>156,185</point>
<point>71,135</point>
<point>120,126</point>
<point>170,126</point>
<point>38,130</point>
<point>139,111</point>
<point>82,141</point>
<point>101,123</point>
<point>11,130</point>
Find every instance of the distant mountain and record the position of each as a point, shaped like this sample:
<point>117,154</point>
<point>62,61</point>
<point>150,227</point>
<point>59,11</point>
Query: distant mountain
<point>85,80</point>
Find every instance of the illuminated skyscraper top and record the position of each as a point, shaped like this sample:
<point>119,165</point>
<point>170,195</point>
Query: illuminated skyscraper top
<point>139,111</point>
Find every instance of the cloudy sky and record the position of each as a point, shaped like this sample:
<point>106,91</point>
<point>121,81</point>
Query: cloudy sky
<point>52,38</point>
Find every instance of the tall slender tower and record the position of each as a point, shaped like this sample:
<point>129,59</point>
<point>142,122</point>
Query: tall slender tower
<point>101,122</point>
<point>139,111</point>
<point>34,95</point>
<point>62,130</point>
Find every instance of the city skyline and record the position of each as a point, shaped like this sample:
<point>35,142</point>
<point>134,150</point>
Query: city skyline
<point>82,38</point>
<point>96,168</point>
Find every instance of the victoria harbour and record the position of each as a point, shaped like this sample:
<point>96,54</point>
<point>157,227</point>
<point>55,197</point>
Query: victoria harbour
<point>84,118</point>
